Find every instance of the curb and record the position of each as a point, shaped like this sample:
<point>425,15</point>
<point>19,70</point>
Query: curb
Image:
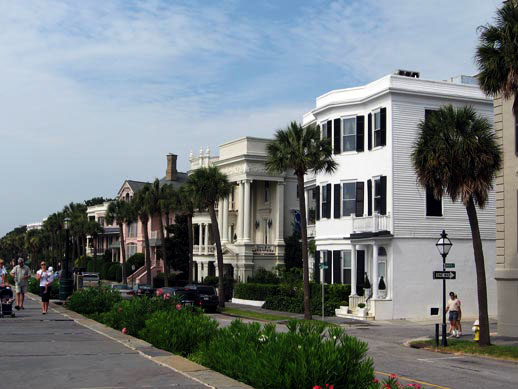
<point>184,366</point>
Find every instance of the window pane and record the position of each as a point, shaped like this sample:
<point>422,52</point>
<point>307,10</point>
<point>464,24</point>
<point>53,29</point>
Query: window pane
<point>350,126</point>
<point>349,134</point>
<point>377,120</point>
<point>349,198</point>
<point>349,207</point>
<point>382,268</point>
<point>350,143</point>
<point>377,138</point>
<point>324,130</point>
<point>347,259</point>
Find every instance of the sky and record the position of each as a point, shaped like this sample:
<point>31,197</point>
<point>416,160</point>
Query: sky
<point>96,92</point>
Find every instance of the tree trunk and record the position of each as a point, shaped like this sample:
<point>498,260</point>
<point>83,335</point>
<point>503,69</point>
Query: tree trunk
<point>123,255</point>
<point>481,274</point>
<point>191,242</point>
<point>219,254</point>
<point>149,279</point>
<point>162,246</point>
<point>304,237</point>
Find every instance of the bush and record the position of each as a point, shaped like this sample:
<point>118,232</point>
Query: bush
<point>250,291</point>
<point>93,300</point>
<point>263,276</point>
<point>179,331</point>
<point>301,358</point>
<point>138,259</point>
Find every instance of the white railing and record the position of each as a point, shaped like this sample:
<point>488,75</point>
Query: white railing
<point>263,249</point>
<point>210,249</point>
<point>373,223</point>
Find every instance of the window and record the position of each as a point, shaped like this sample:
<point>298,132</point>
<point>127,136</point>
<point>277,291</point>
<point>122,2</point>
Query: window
<point>349,134</point>
<point>377,195</point>
<point>433,206</point>
<point>346,255</point>
<point>348,198</point>
<point>325,204</point>
<point>266,191</point>
<point>127,197</point>
<point>131,248</point>
<point>314,194</point>
<point>132,230</point>
<point>324,130</point>
<point>101,221</point>
<point>377,129</point>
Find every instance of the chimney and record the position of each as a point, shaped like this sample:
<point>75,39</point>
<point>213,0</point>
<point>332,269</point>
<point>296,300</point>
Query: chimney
<point>171,172</point>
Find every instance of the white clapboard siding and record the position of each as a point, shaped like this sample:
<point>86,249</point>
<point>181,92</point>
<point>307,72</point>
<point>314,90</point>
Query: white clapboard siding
<point>408,196</point>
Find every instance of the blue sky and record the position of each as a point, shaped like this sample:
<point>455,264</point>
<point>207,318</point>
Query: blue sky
<point>95,92</point>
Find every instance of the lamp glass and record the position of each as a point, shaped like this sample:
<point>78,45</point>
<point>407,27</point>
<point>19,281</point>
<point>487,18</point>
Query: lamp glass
<point>67,223</point>
<point>443,245</point>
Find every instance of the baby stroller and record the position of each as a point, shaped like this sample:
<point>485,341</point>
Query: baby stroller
<point>6,302</point>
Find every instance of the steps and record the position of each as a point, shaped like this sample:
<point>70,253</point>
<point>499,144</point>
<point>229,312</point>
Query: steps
<point>346,313</point>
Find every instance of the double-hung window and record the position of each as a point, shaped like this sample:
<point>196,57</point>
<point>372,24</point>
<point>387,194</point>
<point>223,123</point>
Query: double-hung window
<point>348,198</point>
<point>346,255</point>
<point>377,195</point>
<point>324,130</point>
<point>325,204</point>
<point>132,233</point>
<point>349,134</point>
<point>377,128</point>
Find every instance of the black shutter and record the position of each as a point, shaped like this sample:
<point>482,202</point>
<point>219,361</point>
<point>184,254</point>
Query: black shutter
<point>316,267</point>
<point>369,129</point>
<point>329,130</point>
<point>337,135</point>
<point>360,133</point>
<point>433,206</point>
<point>360,271</point>
<point>327,272</point>
<point>317,199</point>
<point>383,119</point>
<point>427,114</point>
<point>360,195</point>
<point>369,197</point>
<point>337,201</point>
<point>328,201</point>
<point>337,266</point>
<point>383,189</point>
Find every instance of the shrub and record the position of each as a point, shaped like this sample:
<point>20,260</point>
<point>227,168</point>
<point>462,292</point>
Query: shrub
<point>93,300</point>
<point>179,331</point>
<point>137,259</point>
<point>250,291</point>
<point>301,358</point>
<point>263,276</point>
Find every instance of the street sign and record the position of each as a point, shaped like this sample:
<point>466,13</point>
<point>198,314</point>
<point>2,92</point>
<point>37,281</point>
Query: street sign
<point>445,275</point>
<point>449,266</point>
<point>323,265</point>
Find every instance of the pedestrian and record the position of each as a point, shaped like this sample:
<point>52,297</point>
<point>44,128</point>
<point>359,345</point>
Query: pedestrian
<point>453,308</point>
<point>3,273</point>
<point>21,274</point>
<point>459,324</point>
<point>45,277</point>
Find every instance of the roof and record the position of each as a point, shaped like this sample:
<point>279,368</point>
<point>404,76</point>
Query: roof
<point>181,178</point>
<point>136,185</point>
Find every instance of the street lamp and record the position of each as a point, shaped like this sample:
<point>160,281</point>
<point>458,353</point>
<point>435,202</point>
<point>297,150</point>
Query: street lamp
<point>66,283</point>
<point>443,246</point>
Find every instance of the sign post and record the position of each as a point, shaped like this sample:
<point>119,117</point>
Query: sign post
<point>323,266</point>
<point>443,246</point>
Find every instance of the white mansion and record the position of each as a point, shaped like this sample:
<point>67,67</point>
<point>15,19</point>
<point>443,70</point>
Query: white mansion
<point>372,217</point>
<point>255,218</point>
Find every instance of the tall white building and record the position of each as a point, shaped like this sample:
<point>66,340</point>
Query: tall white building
<point>254,220</point>
<point>372,217</point>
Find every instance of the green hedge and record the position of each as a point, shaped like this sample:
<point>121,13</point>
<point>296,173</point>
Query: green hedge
<point>251,291</point>
<point>93,300</point>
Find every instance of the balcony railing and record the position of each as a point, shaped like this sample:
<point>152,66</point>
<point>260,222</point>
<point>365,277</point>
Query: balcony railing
<point>373,223</point>
<point>263,249</point>
<point>210,249</point>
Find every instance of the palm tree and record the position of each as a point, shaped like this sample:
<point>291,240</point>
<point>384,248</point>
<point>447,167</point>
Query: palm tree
<point>185,205</point>
<point>141,204</point>
<point>208,185</point>
<point>118,212</point>
<point>93,229</point>
<point>496,54</point>
<point>456,153</point>
<point>300,149</point>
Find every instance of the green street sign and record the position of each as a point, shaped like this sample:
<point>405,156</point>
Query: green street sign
<point>323,266</point>
<point>449,266</point>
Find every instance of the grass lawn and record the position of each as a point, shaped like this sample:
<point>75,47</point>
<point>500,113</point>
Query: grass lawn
<point>470,347</point>
<point>265,316</point>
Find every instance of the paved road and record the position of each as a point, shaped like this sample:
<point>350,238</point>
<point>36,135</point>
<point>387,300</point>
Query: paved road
<point>52,351</point>
<point>432,370</point>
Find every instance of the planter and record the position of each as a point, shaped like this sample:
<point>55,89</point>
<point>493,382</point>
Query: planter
<point>361,312</point>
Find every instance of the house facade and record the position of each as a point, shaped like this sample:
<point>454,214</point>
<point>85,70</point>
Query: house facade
<point>371,218</point>
<point>109,240</point>
<point>506,272</point>
<point>254,220</point>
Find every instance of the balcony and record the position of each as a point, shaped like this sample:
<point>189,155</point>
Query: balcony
<point>373,223</point>
<point>263,249</point>
<point>210,250</point>
<point>115,245</point>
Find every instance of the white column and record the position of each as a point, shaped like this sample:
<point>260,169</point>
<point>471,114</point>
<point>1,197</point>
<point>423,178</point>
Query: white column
<point>306,197</point>
<point>374,271</point>
<point>241,212</point>
<point>206,243</point>
<point>354,270</point>
<point>279,215</point>
<point>224,228</point>
<point>200,235</point>
<point>246,213</point>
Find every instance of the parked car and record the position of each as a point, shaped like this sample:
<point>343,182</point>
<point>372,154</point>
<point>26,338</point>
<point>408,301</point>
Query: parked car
<point>187,297</point>
<point>144,290</point>
<point>91,280</point>
<point>125,291</point>
<point>208,296</point>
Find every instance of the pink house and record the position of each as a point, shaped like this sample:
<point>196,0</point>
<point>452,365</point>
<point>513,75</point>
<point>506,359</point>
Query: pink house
<point>134,232</point>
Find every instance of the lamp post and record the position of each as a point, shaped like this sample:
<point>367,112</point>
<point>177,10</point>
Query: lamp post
<point>66,283</point>
<point>443,246</point>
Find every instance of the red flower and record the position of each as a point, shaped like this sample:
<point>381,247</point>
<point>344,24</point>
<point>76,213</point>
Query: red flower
<point>317,387</point>
<point>393,376</point>
<point>124,330</point>
<point>178,306</point>
<point>375,380</point>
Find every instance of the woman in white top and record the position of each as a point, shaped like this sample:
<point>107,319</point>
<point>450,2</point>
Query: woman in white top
<point>3,273</point>
<point>45,277</point>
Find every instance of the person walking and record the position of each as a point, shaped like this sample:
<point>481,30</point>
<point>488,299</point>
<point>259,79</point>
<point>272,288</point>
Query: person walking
<point>21,274</point>
<point>459,324</point>
<point>3,273</point>
<point>45,277</point>
<point>453,308</point>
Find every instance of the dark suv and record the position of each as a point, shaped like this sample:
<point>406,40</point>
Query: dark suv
<point>208,297</point>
